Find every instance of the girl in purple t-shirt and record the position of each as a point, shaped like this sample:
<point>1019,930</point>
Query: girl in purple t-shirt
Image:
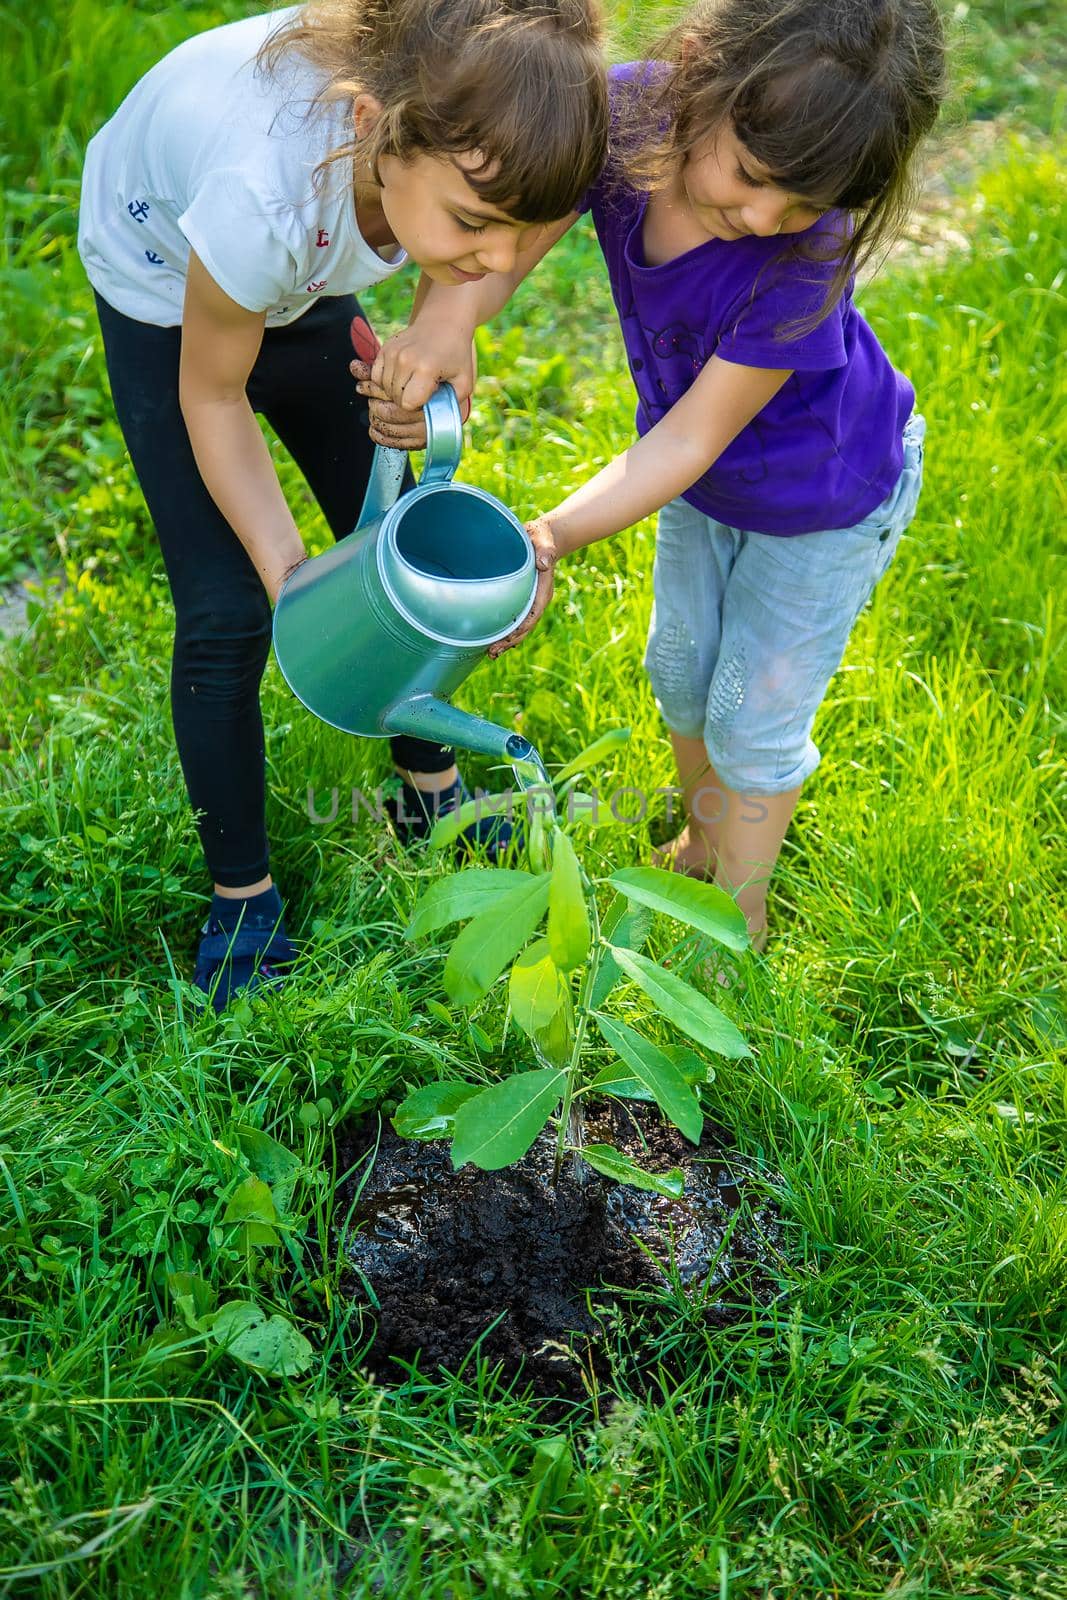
<point>759,159</point>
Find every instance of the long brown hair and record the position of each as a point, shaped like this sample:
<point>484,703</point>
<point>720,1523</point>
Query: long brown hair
<point>520,81</point>
<point>832,96</point>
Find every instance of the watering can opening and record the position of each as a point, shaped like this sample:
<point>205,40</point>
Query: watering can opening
<point>456,564</point>
<point>460,536</point>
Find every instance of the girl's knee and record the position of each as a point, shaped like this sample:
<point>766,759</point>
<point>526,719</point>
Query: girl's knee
<point>748,766</point>
<point>224,650</point>
<point>677,672</point>
<point>231,622</point>
<point>759,715</point>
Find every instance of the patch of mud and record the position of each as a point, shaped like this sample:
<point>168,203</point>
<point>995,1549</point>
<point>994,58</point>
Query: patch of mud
<point>528,1270</point>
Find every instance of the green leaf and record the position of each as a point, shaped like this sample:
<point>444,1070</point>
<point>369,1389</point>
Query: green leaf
<point>581,810</point>
<point>536,848</point>
<point>542,1555</point>
<point>447,829</point>
<point>694,1068</point>
<point>193,1296</point>
<point>957,1038</point>
<point>478,1036</point>
<point>272,1346</point>
<point>260,1233</point>
<point>568,916</point>
<point>270,1161</point>
<point>555,1042</point>
<point>233,1318</point>
<point>625,924</point>
<point>614,1079</point>
<point>461,895</point>
<point>252,1201</point>
<point>542,1004</point>
<point>494,938</point>
<point>429,1478</point>
<point>659,1075</point>
<point>683,1005</point>
<point>428,1112</point>
<point>616,1164</point>
<point>703,906</point>
<point>253,1206</point>
<point>550,1472</point>
<point>319,1407</point>
<point>614,739</point>
<point>537,988</point>
<point>499,1125</point>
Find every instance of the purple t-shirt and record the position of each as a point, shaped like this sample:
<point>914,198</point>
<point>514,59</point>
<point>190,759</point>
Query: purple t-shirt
<point>827,449</point>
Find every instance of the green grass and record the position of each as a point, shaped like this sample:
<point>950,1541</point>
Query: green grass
<point>893,1423</point>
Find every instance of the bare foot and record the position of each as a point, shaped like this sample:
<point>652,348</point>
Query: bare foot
<point>688,854</point>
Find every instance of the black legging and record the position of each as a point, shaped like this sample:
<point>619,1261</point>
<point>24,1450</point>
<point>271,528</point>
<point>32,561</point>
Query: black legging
<point>302,385</point>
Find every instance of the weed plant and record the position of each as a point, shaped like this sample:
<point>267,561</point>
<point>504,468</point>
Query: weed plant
<point>893,1422</point>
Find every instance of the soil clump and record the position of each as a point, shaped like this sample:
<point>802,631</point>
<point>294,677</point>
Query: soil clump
<point>529,1270</point>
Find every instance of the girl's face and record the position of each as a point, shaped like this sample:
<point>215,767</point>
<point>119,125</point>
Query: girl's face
<point>445,226</point>
<point>732,195</point>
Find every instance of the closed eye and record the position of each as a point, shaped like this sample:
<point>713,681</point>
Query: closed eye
<point>761,183</point>
<point>470,227</point>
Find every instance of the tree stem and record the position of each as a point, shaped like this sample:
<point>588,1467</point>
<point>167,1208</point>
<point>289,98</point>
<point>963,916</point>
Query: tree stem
<point>571,1119</point>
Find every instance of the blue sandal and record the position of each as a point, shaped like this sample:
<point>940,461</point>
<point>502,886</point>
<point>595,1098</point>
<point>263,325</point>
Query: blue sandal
<point>244,959</point>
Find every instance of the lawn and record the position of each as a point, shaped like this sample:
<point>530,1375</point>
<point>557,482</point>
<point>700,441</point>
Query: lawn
<point>890,1422</point>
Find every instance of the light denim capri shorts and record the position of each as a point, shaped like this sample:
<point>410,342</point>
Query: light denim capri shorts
<point>748,629</point>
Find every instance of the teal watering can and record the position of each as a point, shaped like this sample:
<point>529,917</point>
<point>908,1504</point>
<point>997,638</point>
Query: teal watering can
<point>374,635</point>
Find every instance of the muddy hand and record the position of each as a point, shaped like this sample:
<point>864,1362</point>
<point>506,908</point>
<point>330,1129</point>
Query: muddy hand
<point>390,424</point>
<point>545,557</point>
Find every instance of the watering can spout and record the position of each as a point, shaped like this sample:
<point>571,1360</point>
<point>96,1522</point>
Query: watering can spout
<point>424,716</point>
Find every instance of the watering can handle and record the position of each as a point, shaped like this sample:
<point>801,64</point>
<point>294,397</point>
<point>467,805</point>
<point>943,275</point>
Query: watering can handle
<point>444,446</point>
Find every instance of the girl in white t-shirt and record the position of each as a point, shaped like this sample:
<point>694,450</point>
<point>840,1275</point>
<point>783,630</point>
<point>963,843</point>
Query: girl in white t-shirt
<point>247,188</point>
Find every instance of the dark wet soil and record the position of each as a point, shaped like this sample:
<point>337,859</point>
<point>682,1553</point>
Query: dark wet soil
<point>505,1259</point>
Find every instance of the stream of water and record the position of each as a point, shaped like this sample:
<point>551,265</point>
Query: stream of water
<point>531,774</point>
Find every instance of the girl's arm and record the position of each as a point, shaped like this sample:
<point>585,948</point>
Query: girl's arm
<point>659,467</point>
<point>220,343</point>
<point>436,345</point>
<point>669,459</point>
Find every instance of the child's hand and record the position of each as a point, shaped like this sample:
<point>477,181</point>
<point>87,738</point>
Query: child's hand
<point>410,365</point>
<point>390,424</point>
<point>546,554</point>
<point>382,374</point>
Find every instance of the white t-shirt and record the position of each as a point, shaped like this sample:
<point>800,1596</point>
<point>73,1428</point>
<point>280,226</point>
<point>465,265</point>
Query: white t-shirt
<point>207,153</point>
